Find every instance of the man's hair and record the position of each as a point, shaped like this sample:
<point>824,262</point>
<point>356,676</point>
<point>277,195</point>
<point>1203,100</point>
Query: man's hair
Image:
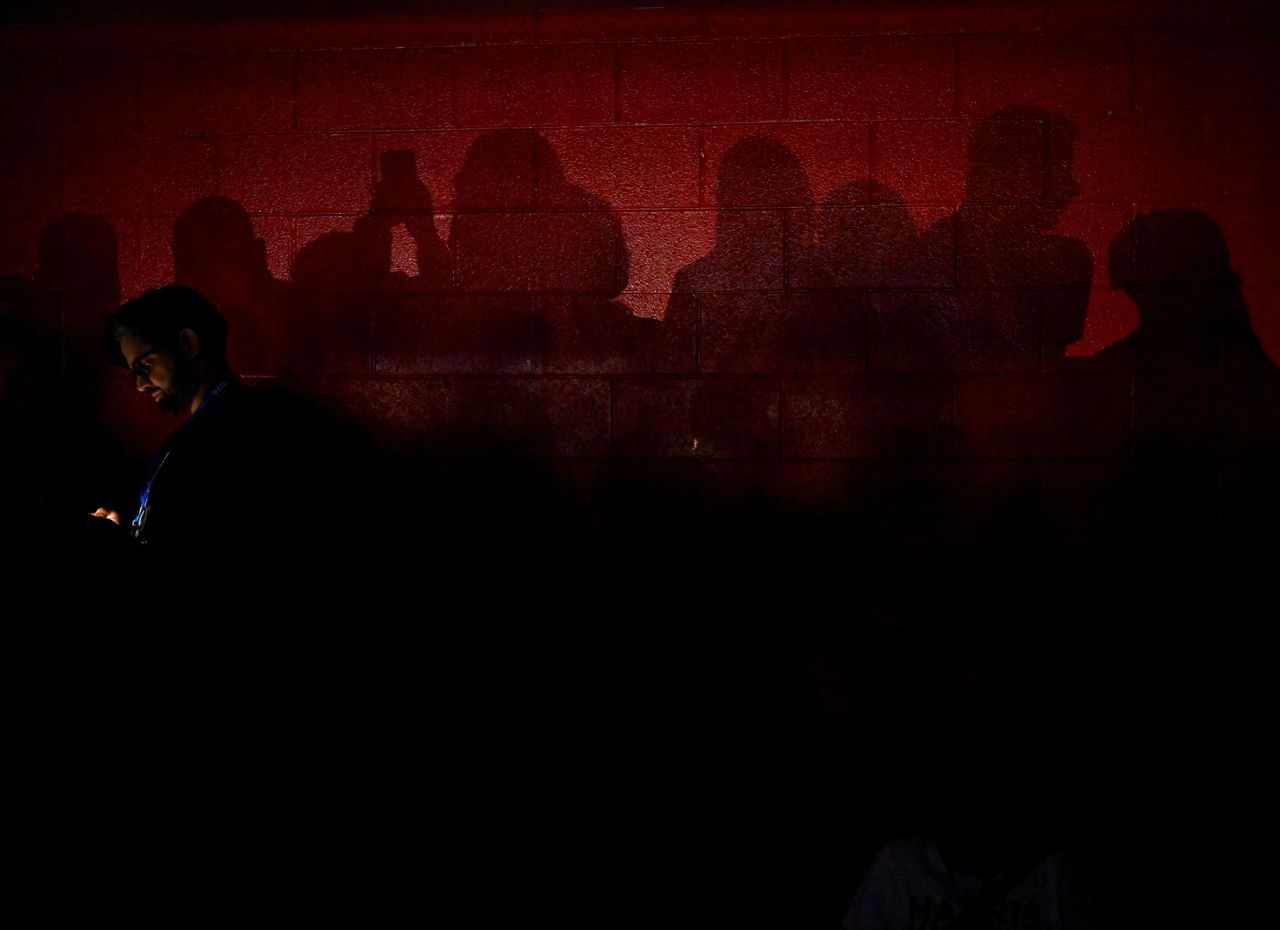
<point>160,314</point>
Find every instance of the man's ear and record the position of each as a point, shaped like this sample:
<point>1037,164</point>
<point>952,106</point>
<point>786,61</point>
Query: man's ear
<point>189,344</point>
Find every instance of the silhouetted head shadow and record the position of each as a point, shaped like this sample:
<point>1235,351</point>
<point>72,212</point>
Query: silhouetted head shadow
<point>75,283</point>
<point>765,210</point>
<point>862,245</point>
<point>1205,398</point>
<point>521,226</point>
<point>1023,155</point>
<point>1006,293</point>
<point>1176,266</point>
<point>550,256</point>
<point>751,303</point>
<point>79,257</point>
<point>761,173</point>
<point>500,171</point>
<point>1017,187</point>
<point>509,169</point>
<point>217,252</point>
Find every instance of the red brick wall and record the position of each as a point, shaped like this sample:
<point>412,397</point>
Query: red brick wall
<point>1174,105</point>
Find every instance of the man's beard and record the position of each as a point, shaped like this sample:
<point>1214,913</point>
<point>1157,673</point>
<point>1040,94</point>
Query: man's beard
<point>186,381</point>
<point>172,404</point>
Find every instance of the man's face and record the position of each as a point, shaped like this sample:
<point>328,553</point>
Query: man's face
<point>161,373</point>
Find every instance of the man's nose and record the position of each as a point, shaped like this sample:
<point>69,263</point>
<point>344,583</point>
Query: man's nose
<point>141,382</point>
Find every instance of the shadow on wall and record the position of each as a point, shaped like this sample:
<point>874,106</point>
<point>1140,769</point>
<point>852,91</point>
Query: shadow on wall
<point>922,349</point>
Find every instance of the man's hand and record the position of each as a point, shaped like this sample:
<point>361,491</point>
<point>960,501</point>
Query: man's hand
<point>104,514</point>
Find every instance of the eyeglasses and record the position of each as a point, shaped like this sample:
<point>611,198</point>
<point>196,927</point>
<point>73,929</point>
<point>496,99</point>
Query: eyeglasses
<point>142,369</point>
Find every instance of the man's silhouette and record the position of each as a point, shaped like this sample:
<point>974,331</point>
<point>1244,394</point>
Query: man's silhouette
<point>756,297</point>
<point>217,253</point>
<point>998,290</point>
<point>863,245</point>
<point>1206,397</point>
<point>526,236</point>
<point>233,481</point>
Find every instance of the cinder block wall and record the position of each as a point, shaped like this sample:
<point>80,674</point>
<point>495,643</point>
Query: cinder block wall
<point>632,112</point>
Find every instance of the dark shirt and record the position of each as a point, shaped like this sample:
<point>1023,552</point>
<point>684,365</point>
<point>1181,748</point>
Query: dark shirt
<point>223,484</point>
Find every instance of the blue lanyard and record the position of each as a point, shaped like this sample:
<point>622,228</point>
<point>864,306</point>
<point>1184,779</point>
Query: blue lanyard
<point>170,444</point>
